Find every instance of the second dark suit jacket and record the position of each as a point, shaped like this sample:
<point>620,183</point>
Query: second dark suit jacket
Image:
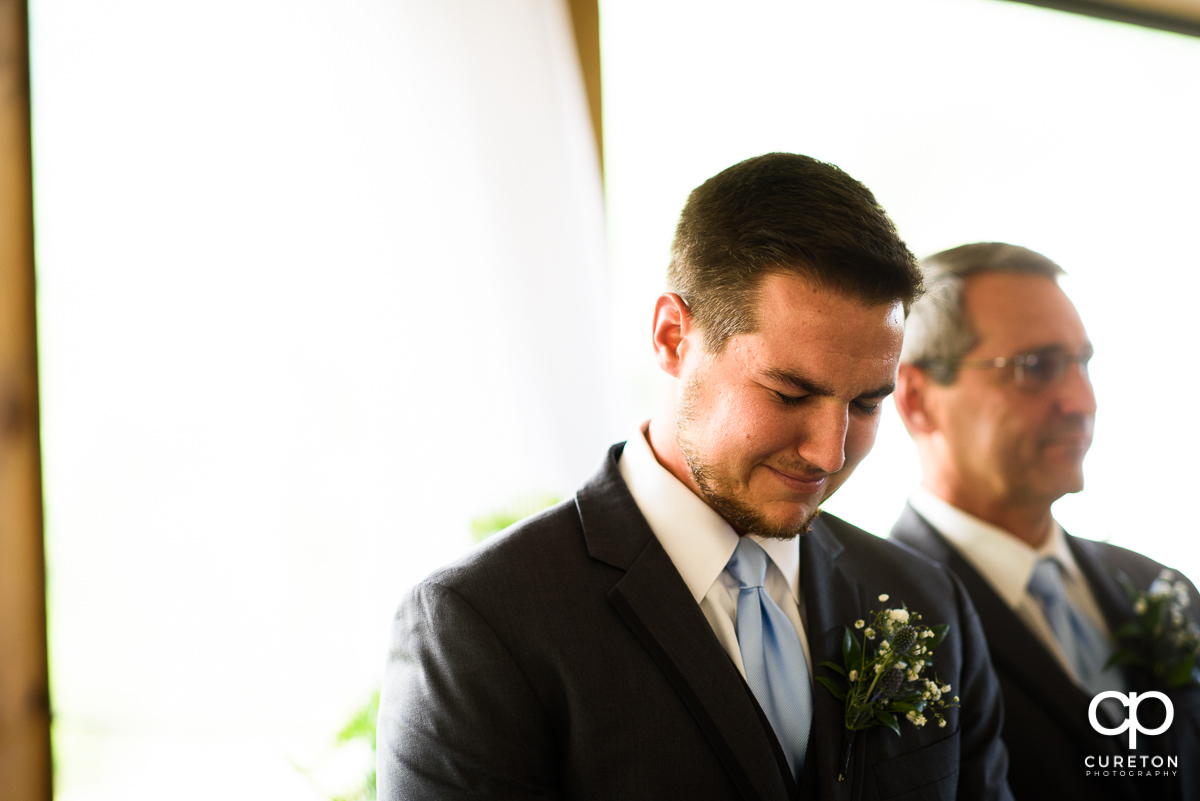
<point>567,659</point>
<point>1046,723</point>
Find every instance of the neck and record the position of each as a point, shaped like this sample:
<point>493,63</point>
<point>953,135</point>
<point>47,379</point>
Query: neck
<point>1030,522</point>
<point>660,434</point>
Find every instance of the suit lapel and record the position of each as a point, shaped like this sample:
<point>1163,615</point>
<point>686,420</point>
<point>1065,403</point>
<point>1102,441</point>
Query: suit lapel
<point>1117,610</point>
<point>833,599</point>
<point>657,606</point>
<point>1109,595</point>
<point>653,600</point>
<point>1015,650</point>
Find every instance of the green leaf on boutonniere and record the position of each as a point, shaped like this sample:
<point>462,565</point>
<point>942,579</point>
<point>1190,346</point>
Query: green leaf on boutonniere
<point>851,650</point>
<point>1125,630</point>
<point>832,686</point>
<point>888,719</point>
<point>835,667</point>
<point>1179,675</point>
<point>1162,638</point>
<point>1125,657</point>
<point>888,674</point>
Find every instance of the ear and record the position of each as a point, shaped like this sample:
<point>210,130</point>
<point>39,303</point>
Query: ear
<point>673,332</point>
<point>913,400</point>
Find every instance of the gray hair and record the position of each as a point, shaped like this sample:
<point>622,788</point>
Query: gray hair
<point>938,334</point>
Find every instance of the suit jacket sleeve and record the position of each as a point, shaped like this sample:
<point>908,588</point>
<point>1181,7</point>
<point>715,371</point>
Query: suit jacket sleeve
<point>457,718</point>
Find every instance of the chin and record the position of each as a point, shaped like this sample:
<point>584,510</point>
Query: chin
<point>789,529</point>
<point>1064,486</point>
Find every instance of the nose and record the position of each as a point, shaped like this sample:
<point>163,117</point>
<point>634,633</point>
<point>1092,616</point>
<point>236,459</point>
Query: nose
<point>823,440</point>
<point>1075,394</point>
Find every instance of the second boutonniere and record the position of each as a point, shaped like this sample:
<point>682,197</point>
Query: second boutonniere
<point>1162,638</point>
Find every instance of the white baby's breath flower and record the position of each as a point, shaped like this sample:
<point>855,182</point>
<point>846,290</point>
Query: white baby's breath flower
<point>1139,606</point>
<point>946,689</point>
<point>942,723</point>
<point>895,652</point>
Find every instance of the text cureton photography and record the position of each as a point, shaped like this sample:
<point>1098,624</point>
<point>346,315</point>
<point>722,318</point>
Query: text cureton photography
<point>1134,765</point>
<point>1131,765</point>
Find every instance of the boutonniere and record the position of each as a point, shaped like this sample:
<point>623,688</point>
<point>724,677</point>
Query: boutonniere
<point>1162,637</point>
<point>888,675</point>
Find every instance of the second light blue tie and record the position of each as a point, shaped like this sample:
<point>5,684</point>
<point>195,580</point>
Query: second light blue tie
<point>776,669</point>
<point>1086,646</point>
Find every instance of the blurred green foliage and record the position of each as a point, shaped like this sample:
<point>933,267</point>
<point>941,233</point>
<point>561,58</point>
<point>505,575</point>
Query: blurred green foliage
<point>486,525</point>
<point>362,727</point>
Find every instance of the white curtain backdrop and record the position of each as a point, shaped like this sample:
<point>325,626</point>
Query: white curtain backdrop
<point>319,283</point>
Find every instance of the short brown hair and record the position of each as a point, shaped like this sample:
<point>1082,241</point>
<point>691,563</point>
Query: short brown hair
<point>783,212</point>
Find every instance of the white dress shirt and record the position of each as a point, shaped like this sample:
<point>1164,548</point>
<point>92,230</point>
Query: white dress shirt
<point>1007,563</point>
<point>700,543</point>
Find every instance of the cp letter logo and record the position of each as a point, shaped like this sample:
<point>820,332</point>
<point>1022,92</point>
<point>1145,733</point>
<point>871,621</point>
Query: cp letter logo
<point>1131,722</point>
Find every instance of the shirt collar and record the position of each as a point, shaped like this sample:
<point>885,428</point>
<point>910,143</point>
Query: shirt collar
<point>1006,561</point>
<point>697,539</point>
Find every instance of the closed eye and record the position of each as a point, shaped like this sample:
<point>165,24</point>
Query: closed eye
<point>867,408</point>
<point>790,400</point>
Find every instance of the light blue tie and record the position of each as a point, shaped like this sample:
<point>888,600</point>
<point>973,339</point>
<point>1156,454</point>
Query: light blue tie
<point>1085,646</point>
<point>776,669</point>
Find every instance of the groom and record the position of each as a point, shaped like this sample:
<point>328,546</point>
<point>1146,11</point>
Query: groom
<point>659,634</point>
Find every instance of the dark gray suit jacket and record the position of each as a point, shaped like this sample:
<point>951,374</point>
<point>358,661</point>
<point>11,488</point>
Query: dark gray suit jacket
<point>1046,723</point>
<point>567,659</point>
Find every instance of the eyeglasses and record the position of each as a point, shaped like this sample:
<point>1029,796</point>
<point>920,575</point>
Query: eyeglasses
<point>1037,369</point>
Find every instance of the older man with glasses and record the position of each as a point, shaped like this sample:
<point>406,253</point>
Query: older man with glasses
<point>993,388</point>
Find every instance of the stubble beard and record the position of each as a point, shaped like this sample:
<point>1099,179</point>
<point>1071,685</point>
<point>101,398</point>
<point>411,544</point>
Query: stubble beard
<point>744,518</point>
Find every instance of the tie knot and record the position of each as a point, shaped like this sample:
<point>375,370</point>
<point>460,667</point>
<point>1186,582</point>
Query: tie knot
<point>748,564</point>
<point>1047,582</point>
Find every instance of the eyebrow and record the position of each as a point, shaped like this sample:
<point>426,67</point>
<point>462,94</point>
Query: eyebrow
<point>805,384</point>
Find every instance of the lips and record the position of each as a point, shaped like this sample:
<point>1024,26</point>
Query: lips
<point>1070,432</point>
<point>1076,434</point>
<point>1069,440</point>
<point>1072,448</point>
<point>801,483</point>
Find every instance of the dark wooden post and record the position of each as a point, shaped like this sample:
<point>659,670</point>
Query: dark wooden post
<point>25,766</point>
